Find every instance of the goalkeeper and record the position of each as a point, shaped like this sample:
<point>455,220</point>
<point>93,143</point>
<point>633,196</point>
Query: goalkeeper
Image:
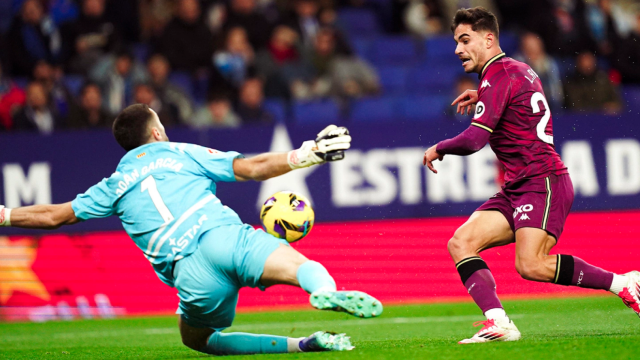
<point>164,194</point>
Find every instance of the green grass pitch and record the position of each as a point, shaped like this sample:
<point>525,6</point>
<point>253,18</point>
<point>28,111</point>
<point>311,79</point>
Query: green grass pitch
<point>568,328</point>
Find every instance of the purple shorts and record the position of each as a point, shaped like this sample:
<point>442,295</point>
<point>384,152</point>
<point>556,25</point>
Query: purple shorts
<point>542,203</point>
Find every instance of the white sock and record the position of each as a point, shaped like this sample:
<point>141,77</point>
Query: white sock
<point>496,314</point>
<point>293,345</point>
<point>619,283</point>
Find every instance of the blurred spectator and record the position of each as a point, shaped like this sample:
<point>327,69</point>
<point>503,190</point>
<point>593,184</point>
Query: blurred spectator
<point>589,89</point>
<point>304,20</point>
<point>90,37</point>
<point>244,13</point>
<point>117,76</point>
<point>250,104</point>
<point>463,83</point>
<point>423,18</point>
<point>33,36</point>
<point>168,93</point>
<point>327,73</point>
<point>608,23</point>
<point>11,99</point>
<point>573,35</point>
<point>37,114</point>
<point>328,18</point>
<point>154,16</point>
<point>626,55</point>
<point>50,77</point>
<point>186,41</point>
<point>89,112</point>
<point>217,113</point>
<point>144,94</point>
<point>235,58</point>
<point>280,51</point>
<point>533,53</point>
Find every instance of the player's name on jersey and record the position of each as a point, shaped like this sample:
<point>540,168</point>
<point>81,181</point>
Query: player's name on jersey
<point>134,175</point>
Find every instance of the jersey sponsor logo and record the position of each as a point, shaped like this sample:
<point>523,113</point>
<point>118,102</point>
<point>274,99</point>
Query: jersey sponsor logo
<point>485,84</point>
<point>522,210</point>
<point>480,108</point>
<point>524,217</point>
<point>141,155</point>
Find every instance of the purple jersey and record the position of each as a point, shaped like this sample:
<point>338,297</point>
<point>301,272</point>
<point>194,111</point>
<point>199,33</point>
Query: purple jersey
<point>512,107</point>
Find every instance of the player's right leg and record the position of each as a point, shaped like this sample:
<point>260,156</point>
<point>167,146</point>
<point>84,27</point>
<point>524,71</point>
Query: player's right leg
<point>287,266</point>
<point>484,230</point>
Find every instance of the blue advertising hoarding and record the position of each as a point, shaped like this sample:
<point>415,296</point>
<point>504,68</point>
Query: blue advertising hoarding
<point>382,176</point>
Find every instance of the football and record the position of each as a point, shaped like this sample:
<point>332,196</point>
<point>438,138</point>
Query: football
<point>287,215</point>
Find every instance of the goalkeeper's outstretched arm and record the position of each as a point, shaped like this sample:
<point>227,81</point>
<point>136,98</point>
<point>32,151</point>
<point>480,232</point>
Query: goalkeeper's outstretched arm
<point>328,146</point>
<point>38,216</point>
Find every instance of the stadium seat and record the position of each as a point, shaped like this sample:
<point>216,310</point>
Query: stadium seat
<point>359,22</point>
<point>393,79</point>
<point>318,112</point>
<point>394,50</point>
<point>362,47</point>
<point>382,109</point>
<point>433,79</point>
<point>183,81</point>
<point>631,96</point>
<point>423,108</point>
<point>74,83</point>
<point>141,52</point>
<point>277,108</point>
<point>440,49</point>
<point>509,43</point>
<point>21,82</point>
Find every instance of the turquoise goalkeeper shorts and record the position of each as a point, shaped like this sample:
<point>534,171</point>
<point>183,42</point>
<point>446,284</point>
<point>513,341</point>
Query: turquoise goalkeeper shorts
<point>227,259</point>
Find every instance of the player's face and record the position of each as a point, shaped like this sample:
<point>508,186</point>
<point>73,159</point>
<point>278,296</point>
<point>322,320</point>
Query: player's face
<point>471,48</point>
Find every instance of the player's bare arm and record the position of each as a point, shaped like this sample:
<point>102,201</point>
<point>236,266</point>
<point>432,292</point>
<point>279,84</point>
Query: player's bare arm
<point>38,216</point>
<point>329,145</point>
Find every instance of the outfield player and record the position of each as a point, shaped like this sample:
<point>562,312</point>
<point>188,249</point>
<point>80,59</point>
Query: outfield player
<point>164,194</point>
<point>513,115</point>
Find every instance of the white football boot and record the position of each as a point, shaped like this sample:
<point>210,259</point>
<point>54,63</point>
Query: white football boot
<point>630,294</point>
<point>494,330</point>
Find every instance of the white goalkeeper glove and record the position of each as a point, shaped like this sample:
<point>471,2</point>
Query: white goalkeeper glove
<point>328,146</point>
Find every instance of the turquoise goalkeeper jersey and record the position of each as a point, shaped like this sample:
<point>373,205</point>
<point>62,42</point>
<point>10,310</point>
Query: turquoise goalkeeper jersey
<point>165,196</point>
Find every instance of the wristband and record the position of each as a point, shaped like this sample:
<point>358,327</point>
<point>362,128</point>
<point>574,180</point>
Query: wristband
<point>5,216</point>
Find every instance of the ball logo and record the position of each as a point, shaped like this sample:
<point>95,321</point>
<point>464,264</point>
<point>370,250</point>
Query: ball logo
<point>479,110</point>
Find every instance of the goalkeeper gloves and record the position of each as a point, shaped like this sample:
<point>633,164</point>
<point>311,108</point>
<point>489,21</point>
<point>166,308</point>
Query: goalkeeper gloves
<point>329,145</point>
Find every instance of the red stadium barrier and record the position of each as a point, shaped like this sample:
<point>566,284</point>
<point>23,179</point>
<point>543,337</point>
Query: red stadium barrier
<point>104,274</point>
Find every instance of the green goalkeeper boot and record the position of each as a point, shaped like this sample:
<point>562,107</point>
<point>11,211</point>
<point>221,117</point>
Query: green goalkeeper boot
<point>355,303</point>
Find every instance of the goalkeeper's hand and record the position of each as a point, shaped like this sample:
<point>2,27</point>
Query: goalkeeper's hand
<point>328,146</point>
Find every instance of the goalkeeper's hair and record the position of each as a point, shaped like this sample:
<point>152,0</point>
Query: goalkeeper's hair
<point>479,18</point>
<point>131,127</point>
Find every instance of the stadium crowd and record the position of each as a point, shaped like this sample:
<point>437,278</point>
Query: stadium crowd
<point>216,63</point>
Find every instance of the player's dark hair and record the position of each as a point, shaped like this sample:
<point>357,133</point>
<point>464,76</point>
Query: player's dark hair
<point>131,127</point>
<point>479,18</point>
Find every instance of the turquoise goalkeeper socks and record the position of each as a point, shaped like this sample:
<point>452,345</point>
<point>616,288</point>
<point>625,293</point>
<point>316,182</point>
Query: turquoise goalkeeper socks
<point>244,343</point>
<point>313,276</point>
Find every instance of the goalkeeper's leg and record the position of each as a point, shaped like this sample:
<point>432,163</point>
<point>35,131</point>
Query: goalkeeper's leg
<point>287,266</point>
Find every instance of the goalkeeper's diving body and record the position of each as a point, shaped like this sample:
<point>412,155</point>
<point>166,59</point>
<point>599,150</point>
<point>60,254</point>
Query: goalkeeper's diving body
<point>164,194</point>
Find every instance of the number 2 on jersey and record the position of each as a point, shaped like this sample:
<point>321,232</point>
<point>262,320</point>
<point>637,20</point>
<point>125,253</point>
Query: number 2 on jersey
<point>535,98</point>
<point>150,184</point>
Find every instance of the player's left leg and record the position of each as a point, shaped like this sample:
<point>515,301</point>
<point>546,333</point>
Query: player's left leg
<point>533,262</point>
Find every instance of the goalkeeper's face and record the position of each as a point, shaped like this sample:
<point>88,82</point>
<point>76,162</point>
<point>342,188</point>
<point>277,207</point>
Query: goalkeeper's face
<point>157,129</point>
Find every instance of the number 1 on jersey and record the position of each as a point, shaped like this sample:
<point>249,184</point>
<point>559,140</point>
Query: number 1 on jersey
<point>150,184</point>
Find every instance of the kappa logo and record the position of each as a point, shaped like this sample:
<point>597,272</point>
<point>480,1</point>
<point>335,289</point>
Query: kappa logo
<point>524,217</point>
<point>522,210</point>
<point>485,84</point>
